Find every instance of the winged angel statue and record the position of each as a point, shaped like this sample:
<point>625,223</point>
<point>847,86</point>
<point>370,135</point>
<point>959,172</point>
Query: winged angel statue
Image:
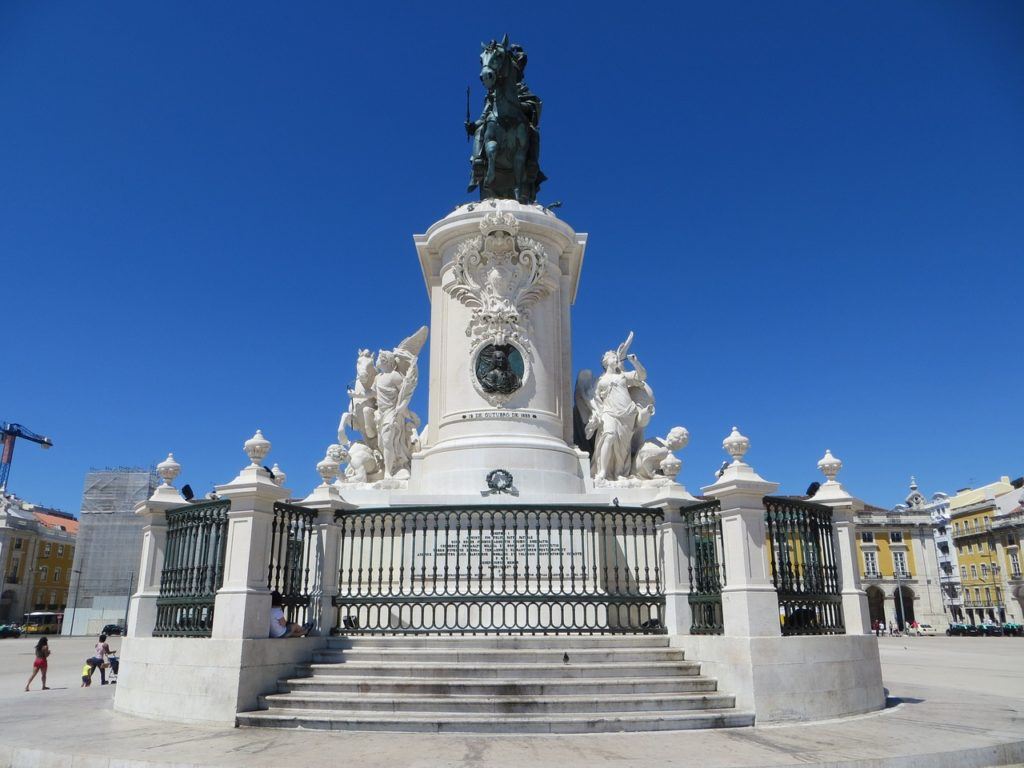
<point>379,410</point>
<point>611,413</point>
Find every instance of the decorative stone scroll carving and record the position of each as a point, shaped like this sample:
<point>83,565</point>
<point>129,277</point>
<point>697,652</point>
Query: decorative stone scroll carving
<point>500,274</point>
<point>379,410</point>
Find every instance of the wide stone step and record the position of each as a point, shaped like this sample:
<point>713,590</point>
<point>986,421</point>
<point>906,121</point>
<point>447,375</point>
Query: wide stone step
<point>506,642</point>
<point>454,722</point>
<point>498,655</point>
<point>514,671</point>
<point>630,702</point>
<point>424,686</point>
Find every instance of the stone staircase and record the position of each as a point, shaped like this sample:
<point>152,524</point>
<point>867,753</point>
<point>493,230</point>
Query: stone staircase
<point>499,685</point>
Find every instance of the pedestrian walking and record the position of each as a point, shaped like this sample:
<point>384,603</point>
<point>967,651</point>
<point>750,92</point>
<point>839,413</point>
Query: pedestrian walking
<point>102,655</point>
<point>39,664</point>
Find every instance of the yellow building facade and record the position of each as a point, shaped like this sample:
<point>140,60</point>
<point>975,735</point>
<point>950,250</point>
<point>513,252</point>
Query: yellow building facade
<point>898,567</point>
<point>987,545</point>
<point>37,550</point>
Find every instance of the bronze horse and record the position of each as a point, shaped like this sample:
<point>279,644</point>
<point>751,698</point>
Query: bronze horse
<point>507,143</point>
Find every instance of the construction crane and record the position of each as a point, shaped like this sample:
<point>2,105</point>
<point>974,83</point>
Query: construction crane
<point>10,433</point>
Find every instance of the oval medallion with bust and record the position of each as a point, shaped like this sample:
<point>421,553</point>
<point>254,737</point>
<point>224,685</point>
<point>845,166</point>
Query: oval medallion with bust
<point>499,369</point>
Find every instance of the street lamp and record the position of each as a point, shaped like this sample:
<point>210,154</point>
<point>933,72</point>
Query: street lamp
<point>74,603</point>
<point>897,572</point>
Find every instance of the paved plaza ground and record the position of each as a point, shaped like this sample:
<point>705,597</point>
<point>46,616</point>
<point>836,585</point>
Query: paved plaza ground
<point>962,704</point>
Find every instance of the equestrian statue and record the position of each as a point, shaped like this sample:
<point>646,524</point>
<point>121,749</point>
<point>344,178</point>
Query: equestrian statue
<point>506,137</point>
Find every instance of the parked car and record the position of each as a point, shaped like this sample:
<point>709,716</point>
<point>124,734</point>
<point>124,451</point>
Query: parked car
<point>10,630</point>
<point>113,629</point>
<point>963,630</point>
<point>1012,628</point>
<point>924,630</point>
<point>990,630</point>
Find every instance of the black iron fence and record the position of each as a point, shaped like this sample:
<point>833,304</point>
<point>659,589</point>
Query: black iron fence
<point>193,569</point>
<point>706,571</point>
<point>292,551</point>
<point>501,569</point>
<point>803,563</point>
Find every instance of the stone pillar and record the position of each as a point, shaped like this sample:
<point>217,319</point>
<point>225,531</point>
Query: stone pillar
<point>142,608</point>
<point>326,499</point>
<point>675,564</point>
<point>242,606</point>
<point>750,604</point>
<point>856,614</point>
<point>538,258</point>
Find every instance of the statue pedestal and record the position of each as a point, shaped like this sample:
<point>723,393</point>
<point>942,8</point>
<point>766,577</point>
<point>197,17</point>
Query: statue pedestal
<point>500,273</point>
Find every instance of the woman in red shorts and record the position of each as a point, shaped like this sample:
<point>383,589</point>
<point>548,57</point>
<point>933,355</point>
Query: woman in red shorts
<point>39,665</point>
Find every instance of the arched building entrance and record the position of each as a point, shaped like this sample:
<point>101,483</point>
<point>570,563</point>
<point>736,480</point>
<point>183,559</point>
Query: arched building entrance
<point>903,597</point>
<point>876,605</point>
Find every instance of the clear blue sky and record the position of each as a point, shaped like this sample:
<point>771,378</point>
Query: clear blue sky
<point>811,214</point>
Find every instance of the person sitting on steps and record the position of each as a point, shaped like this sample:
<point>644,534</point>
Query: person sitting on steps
<point>279,624</point>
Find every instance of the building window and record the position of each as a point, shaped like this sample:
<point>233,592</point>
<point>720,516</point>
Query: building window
<point>60,550</point>
<point>974,572</point>
<point>896,537</point>
<point>1015,565</point>
<point>867,537</point>
<point>963,571</point>
<point>17,543</point>
<point>53,599</point>
<point>977,594</point>
<point>47,549</point>
<point>43,572</point>
<point>1010,539</point>
<point>56,575</point>
<point>899,560</point>
<point>871,564</point>
<point>984,571</point>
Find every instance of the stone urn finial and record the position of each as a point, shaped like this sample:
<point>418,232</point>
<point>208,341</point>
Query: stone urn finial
<point>328,466</point>
<point>670,466</point>
<point>736,445</point>
<point>256,448</point>
<point>279,475</point>
<point>168,469</point>
<point>829,466</point>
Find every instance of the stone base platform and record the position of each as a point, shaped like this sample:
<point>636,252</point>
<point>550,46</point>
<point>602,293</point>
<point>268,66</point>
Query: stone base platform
<point>962,707</point>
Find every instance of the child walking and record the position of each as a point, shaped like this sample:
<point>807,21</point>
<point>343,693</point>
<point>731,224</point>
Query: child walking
<point>87,672</point>
<point>39,665</point>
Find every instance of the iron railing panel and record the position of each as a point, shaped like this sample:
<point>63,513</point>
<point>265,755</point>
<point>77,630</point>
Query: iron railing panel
<point>292,555</point>
<point>499,570</point>
<point>801,551</point>
<point>193,569</point>
<point>706,571</point>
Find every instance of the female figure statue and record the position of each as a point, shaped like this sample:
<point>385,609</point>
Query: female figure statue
<point>616,418</point>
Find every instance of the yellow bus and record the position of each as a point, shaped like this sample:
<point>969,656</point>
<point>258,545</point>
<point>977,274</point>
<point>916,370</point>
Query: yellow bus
<point>41,623</point>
